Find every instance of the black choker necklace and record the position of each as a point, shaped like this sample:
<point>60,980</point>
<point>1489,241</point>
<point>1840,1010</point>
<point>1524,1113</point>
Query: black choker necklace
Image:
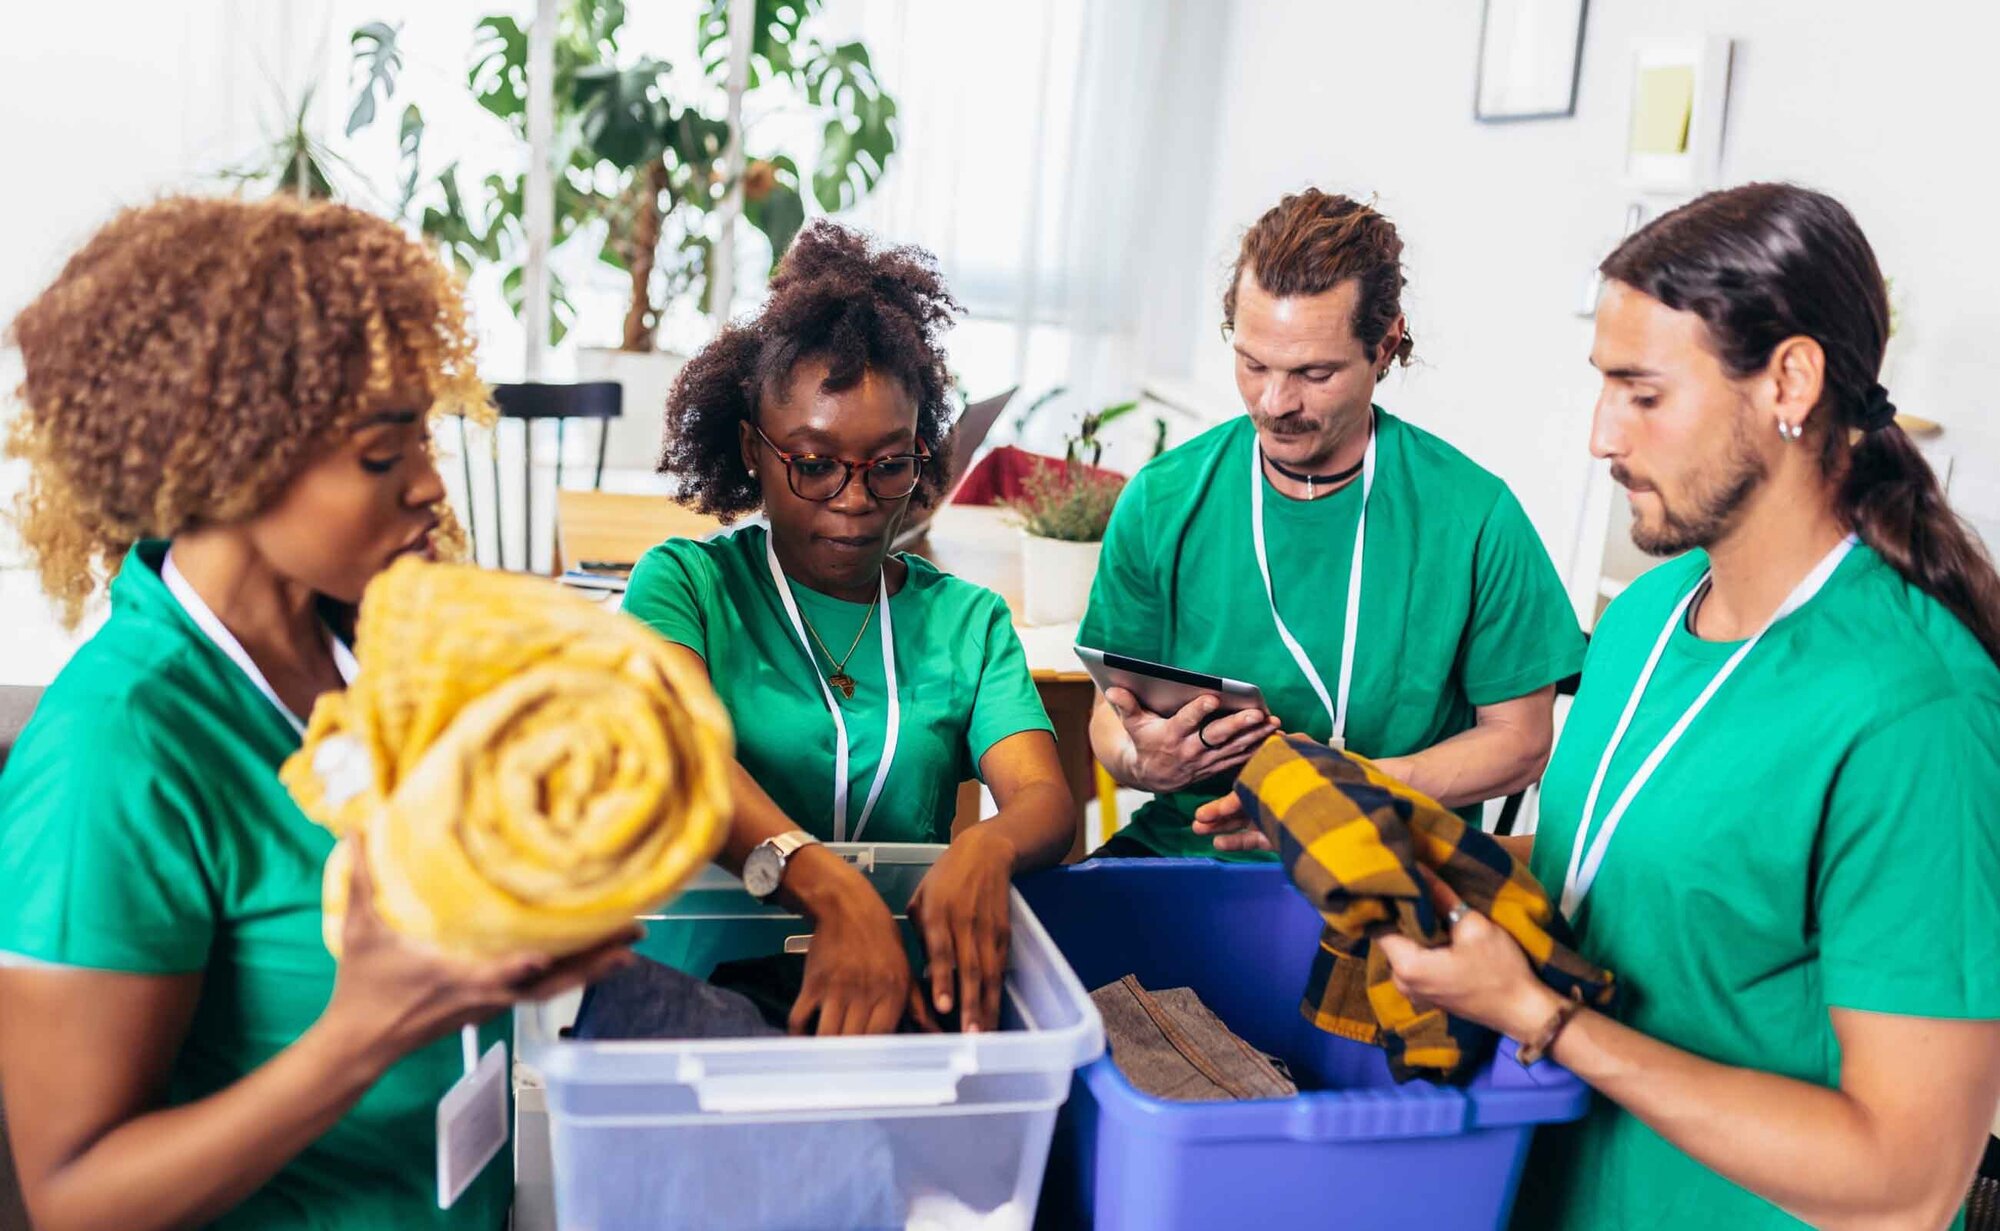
<point>1314,482</point>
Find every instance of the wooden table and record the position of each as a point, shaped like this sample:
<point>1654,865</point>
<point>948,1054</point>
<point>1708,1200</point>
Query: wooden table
<point>619,527</point>
<point>976,543</point>
<point>981,545</point>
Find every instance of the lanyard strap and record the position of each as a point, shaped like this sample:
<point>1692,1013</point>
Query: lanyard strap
<point>213,628</point>
<point>1336,713</point>
<point>833,707</point>
<point>1583,867</point>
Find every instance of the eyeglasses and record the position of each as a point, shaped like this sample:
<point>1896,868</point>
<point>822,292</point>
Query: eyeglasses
<point>819,479</point>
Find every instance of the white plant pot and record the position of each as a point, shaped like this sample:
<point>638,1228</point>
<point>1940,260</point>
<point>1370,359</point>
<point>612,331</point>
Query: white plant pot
<point>634,442</point>
<point>1055,579</point>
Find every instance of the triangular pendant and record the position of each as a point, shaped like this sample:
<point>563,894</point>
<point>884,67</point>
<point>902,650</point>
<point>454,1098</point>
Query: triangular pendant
<point>845,683</point>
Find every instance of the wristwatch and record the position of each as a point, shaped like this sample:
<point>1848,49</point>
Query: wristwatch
<point>764,870</point>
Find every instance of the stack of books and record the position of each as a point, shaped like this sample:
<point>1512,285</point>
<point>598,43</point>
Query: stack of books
<point>602,576</point>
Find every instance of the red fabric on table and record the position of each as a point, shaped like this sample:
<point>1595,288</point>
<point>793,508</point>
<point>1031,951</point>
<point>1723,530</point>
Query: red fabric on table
<point>1001,476</point>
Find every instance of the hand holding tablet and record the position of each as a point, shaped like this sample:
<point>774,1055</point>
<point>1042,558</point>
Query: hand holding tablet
<point>1185,726</point>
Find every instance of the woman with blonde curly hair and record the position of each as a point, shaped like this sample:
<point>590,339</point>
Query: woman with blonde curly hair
<point>224,414</point>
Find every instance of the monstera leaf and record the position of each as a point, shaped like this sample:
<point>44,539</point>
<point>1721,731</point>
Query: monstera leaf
<point>623,111</point>
<point>861,137</point>
<point>773,203</point>
<point>774,48</point>
<point>378,55</point>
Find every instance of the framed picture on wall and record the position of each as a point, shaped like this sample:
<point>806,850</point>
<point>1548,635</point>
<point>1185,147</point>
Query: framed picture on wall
<point>1679,97</point>
<point>1530,53</point>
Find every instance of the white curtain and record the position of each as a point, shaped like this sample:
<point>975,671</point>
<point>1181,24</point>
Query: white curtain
<point>1053,155</point>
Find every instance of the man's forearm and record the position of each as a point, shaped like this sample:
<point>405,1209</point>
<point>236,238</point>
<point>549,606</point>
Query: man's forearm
<point>1112,746</point>
<point>1484,763</point>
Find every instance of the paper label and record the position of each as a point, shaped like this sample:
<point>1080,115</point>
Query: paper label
<point>471,1125</point>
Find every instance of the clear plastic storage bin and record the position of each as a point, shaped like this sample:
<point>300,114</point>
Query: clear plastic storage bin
<point>888,1131</point>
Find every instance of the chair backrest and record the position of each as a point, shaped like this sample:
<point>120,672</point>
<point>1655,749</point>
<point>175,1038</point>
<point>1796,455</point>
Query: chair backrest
<point>527,404</point>
<point>596,399</point>
<point>17,705</point>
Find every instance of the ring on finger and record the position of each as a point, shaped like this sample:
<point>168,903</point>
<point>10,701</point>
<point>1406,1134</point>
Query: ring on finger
<point>1201,733</point>
<point>1458,911</point>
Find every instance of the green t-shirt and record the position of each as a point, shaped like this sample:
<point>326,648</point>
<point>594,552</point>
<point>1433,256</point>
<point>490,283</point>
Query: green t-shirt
<point>143,829</point>
<point>1460,606</point>
<point>1823,835</point>
<point>961,678</point>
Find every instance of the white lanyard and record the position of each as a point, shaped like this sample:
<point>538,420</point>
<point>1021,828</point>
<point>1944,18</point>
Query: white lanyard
<point>1582,872</point>
<point>833,707</point>
<point>1336,714</point>
<point>213,628</point>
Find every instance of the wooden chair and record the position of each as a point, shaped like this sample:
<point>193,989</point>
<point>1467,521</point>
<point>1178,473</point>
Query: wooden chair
<point>529,404</point>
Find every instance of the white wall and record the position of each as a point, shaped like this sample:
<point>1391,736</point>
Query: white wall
<point>133,100</point>
<point>101,110</point>
<point>1890,108</point>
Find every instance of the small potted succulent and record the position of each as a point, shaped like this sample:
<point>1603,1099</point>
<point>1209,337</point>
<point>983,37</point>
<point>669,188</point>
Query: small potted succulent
<point>1063,511</point>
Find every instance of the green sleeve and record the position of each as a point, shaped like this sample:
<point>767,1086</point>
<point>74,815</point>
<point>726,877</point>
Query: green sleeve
<point>672,591</point>
<point>1907,891</point>
<point>1006,701</point>
<point>1523,634</point>
<point>98,849</point>
<point>1127,613</point>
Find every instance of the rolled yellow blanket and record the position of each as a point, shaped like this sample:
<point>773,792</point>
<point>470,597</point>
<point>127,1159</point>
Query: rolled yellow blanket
<point>528,771</point>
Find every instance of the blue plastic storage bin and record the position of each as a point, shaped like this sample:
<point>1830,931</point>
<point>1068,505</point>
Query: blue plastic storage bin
<point>1353,1150</point>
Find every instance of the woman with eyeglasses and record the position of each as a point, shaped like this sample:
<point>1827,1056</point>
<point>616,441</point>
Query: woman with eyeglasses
<point>865,685</point>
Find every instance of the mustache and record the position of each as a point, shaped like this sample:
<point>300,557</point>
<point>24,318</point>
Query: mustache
<point>1294,424</point>
<point>1627,480</point>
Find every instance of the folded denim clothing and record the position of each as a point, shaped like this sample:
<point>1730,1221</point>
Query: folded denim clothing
<point>649,1000</point>
<point>1355,842</point>
<point>1169,1045</point>
<point>773,985</point>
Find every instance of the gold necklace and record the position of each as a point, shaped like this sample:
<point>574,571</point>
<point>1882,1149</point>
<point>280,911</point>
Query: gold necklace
<point>840,679</point>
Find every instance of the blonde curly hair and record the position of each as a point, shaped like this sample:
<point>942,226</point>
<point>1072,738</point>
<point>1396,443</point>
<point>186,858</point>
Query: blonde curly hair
<point>199,352</point>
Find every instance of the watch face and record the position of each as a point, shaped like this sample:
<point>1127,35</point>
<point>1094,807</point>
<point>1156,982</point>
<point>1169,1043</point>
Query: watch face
<point>762,871</point>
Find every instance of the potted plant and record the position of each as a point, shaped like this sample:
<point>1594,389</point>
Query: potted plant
<point>640,174</point>
<point>1064,509</point>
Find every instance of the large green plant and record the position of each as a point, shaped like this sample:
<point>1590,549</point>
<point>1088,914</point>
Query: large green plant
<point>632,157</point>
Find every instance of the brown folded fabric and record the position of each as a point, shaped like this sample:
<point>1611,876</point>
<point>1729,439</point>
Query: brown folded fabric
<point>1170,1046</point>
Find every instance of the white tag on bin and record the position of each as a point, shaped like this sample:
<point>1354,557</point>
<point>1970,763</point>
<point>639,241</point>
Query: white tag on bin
<point>471,1119</point>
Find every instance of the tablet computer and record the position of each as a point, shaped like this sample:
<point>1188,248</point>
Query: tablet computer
<point>1166,690</point>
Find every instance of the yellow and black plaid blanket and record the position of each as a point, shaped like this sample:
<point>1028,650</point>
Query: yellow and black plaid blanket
<point>1352,839</point>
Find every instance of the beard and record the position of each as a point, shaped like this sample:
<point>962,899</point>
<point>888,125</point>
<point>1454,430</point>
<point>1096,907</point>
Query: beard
<point>1714,493</point>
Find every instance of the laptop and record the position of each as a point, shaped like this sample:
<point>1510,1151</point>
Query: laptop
<point>967,435</point>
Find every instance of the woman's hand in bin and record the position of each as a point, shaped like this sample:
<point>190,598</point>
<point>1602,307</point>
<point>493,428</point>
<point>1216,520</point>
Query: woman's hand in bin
<point>1225,820</point>
<point>857,978</point>
<point>392,995</point>
<point>962,910</point>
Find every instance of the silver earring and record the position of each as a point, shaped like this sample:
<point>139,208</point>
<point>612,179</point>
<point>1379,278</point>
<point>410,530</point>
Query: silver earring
<point>1791,431</point>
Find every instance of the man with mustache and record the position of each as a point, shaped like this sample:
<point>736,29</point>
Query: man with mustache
<point>1384,592</point>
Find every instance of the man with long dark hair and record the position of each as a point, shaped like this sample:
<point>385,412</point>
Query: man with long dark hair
<point>1772,809</point>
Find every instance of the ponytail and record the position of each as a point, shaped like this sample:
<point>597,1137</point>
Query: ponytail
<point>1891,498</point>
